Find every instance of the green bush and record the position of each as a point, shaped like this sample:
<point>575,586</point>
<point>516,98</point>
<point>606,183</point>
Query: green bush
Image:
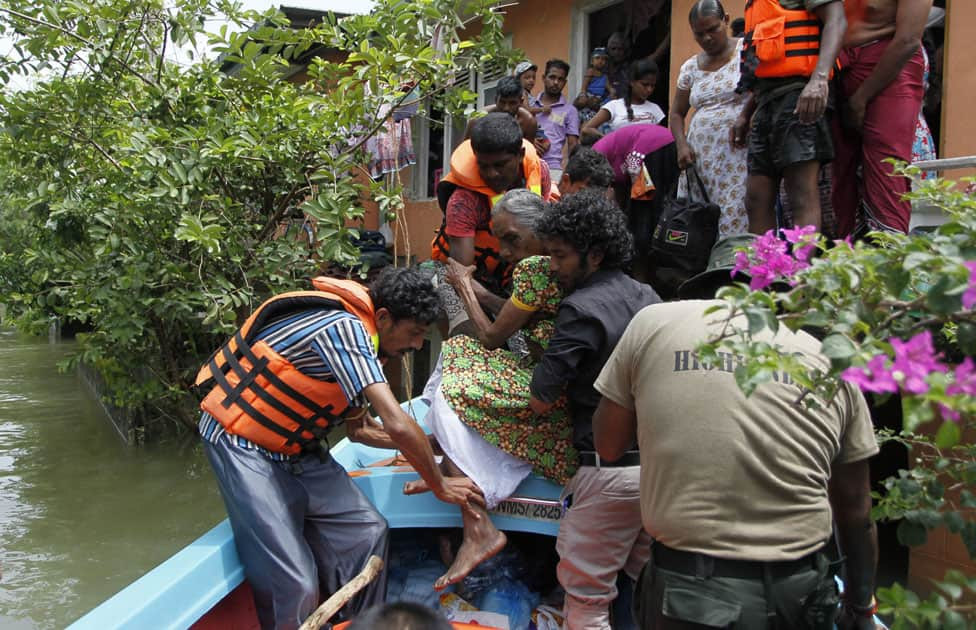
<point>140,196</point>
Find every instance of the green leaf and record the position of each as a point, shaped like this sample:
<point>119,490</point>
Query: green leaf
<point>967,499</point>
<point>953,521</point>
<point>816,319</point>
<point>954,591</point>
<point>948,435</point>
<point>838,346</point>
<point>756,319</point>
<point>968,535</point>
<point>915,260</point>
<point>966,338</point>
<point>952,620</point>
<point>911,534</point>
<point>944,296</point>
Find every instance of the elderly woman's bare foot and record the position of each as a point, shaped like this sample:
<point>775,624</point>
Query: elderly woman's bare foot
<point>482,540</point>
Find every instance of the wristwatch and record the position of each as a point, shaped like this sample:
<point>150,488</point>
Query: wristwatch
<point>863,611</point>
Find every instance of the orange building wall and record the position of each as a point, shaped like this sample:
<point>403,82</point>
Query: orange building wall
<point>944,550</point>
<point>683,44</point>
<point>541,29</point>
<point>959,84</point>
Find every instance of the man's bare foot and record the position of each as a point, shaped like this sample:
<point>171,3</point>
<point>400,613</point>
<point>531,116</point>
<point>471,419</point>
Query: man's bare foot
<point>417,486</point>
<point>482,540</point>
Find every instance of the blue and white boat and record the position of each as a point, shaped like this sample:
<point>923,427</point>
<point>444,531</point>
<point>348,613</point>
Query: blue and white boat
<point>203,587</point>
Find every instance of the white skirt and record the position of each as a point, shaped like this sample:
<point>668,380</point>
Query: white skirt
<point>496,472</point>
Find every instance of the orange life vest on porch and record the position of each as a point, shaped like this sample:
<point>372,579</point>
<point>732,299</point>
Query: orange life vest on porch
<point>786,42</point>
<point>464,174</point>
<point>259,395</point>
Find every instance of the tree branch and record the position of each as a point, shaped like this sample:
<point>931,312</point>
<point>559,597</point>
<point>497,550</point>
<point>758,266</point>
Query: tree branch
<point>61,29</point>
<point>101,150</point>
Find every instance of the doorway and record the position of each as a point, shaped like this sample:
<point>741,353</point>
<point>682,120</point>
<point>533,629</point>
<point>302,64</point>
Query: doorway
<point>646,25</point>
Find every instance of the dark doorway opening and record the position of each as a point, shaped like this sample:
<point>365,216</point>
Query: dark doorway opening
<point>646,24</point>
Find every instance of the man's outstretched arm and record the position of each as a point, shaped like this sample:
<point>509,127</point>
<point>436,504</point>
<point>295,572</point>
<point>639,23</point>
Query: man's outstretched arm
<point>411,440</point>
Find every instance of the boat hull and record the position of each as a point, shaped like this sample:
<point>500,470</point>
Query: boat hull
<point>202,586</point>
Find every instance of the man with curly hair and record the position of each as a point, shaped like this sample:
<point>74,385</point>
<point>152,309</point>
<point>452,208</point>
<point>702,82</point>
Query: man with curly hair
<point>590,248</point>
<point>304,361</point>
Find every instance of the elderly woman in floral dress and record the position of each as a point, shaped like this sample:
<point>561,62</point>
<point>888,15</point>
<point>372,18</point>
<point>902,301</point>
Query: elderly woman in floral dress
<point>479,395</point>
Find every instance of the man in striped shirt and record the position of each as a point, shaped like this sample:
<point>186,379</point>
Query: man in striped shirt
<point>301,527</point>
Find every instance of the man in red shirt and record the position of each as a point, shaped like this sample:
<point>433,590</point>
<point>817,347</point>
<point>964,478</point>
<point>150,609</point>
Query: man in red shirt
<point>495,160</point>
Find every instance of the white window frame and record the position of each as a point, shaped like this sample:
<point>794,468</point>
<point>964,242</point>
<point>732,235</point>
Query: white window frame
<point>488,78</point>
<point>579,51</point>
<point>479,83</point>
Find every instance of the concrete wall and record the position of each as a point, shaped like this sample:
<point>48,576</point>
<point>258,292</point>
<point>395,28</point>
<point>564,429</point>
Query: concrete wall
<point>943,550</point>
<point>541,28</point>
<point>959,84</point>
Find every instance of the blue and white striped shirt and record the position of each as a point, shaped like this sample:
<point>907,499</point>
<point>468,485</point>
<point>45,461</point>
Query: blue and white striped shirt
<point>330,345</point>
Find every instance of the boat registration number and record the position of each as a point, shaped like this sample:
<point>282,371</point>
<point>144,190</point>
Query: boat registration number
<point>532,510</point>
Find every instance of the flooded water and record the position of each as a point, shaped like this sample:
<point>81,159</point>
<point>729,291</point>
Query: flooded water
<point>81,514</point>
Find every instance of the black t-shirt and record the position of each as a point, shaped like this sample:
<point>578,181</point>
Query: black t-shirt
<point>589,323</point>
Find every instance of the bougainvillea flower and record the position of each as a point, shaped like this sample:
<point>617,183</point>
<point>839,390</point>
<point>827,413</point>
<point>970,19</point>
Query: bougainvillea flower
<point>969,297</point>
<point>874,377</point>
<point>964,379</point>
<point>914,360</point>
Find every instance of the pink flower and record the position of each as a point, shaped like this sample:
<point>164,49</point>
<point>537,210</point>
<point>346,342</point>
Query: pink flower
<point>845,242</point>
<point>964,379</point>
<point>770,259</point>
<point>741,263</point>
<point>762,277</point>
<point>804,240</point>
<point>969,297</point>
<point>964,382</point>
<point>949,413</point>
<point>804,234</point>
<point>914,360</point>
<point>874,377</point>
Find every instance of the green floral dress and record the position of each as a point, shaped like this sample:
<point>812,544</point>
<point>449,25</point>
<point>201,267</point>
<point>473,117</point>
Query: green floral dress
<point>489,389</point>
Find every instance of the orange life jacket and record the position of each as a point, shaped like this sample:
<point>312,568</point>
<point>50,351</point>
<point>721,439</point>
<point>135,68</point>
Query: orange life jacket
<point>259,395</point>
<point>464,174</point>
<point>786,42</point>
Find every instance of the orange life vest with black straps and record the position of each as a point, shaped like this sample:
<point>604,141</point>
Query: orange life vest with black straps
<point>257,394</point>
<point>780,42</point>
<point>489,268</point>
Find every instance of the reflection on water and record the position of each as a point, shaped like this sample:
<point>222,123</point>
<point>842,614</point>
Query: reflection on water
<point>81,515</point>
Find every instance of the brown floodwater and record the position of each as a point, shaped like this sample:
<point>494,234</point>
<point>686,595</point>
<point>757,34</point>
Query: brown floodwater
<point>82,514</point>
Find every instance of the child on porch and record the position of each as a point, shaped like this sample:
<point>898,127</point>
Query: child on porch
<point>596,89</point>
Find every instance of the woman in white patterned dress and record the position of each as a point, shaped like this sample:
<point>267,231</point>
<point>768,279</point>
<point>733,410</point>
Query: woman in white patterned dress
<point>707,83</point>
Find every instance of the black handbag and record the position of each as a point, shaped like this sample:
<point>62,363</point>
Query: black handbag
<point>686,230</point>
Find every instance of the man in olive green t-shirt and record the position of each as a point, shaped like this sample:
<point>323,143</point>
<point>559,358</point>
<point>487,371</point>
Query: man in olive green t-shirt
<point>738,493</point>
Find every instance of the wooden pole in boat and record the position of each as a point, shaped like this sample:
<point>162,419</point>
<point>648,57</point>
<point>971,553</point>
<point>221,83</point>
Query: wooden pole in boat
<point>339,599</point>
